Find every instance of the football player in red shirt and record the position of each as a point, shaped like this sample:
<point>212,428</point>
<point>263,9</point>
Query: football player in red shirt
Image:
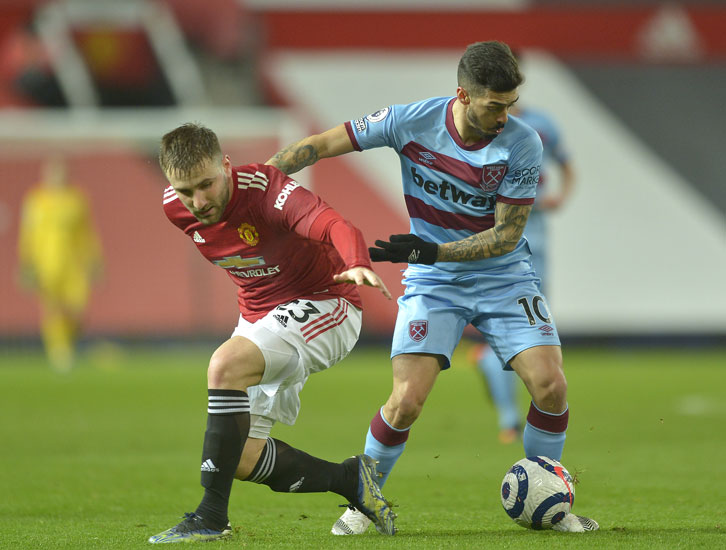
<point>296,263</point>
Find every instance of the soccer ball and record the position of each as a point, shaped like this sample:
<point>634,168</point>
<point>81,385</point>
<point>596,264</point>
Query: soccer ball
<point>537,492</point>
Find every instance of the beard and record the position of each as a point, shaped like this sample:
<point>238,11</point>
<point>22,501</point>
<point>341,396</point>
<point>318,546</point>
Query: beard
<point>489,133</point>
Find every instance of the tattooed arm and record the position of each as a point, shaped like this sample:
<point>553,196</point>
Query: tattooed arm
<point>509,222</point>
<point>308,151</point>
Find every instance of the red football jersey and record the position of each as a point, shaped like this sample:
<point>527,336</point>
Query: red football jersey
<point>264,241</point>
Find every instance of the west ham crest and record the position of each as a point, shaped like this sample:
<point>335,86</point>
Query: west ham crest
<point>491,176</point>
<point>418,330</point>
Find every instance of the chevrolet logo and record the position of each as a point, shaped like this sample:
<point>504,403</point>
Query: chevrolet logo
<point>236,261</point>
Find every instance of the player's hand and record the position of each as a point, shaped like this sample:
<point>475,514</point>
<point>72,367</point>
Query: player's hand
<point>362,276</point>
<point>405,248</point>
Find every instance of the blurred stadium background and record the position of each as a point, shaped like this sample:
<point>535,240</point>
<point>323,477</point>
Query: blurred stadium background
<point>638,255</point>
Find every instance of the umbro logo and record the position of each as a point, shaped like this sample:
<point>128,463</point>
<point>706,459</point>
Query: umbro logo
<point>198,238</point>
<point>414,256</point>
<point>208,466</point>
<point>426,158</point>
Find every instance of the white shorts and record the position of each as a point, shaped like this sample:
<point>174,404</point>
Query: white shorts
<point>296,339</point>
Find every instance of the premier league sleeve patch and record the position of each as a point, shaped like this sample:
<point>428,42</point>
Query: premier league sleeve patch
<point>378,115</point>
<point>418,330</point>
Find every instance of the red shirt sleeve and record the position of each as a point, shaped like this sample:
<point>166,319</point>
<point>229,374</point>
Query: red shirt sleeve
<point>347,239</point>
<point>308,215</point>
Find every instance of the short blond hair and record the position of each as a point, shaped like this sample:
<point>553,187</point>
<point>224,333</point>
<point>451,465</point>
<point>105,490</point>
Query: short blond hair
<point>186,148</point>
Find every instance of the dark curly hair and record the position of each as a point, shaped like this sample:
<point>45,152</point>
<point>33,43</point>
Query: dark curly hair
<point>489,66</point>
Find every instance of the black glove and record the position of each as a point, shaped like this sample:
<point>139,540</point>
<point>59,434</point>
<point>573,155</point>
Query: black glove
<point>405,248</point>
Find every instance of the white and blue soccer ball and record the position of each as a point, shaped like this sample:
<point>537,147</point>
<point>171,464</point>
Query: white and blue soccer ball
<point>537,492</point>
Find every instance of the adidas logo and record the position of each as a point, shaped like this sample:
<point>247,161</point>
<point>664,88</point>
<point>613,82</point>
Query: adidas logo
<point>295,486</point>
<point>208,466</point>
<point>198,238</point>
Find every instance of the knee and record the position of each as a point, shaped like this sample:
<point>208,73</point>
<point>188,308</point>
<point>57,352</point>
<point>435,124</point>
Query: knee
<point>219,370</point>
<point>556,387</point>
<point>404,410</point>
<point>551,392</point>
<point>228,371</point>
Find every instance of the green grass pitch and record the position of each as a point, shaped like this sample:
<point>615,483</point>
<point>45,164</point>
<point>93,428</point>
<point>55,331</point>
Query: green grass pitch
<point>109,454</point>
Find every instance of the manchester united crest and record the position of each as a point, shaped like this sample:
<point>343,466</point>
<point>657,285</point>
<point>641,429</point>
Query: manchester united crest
<point>418,330</point>
<point>248,234</point>
<point>491,176</point>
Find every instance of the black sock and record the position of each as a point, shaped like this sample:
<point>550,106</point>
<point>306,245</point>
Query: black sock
<point>228,423</point>
<point>288,470</point>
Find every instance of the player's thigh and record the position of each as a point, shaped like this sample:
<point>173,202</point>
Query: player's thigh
<point>317,333</point>
<point>539,367</point>
<point>237,364</point>
<point>75,291</point>
<point>414,376</point>
<point>428,323</point>
<point>515,318</point>
<point>296,339</point>
<point>66,290</point>
<point>276,359</point>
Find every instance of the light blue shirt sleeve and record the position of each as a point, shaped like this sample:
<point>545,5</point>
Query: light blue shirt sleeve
<point>375,130</point>
<point>522,177</point>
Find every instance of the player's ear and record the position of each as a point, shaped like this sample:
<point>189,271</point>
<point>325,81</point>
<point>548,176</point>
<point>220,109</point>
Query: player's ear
<point>227,165</point>
<point>462,95</point>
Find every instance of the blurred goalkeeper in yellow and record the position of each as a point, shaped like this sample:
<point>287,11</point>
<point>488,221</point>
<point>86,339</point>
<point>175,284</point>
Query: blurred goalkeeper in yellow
<point>60,256</point>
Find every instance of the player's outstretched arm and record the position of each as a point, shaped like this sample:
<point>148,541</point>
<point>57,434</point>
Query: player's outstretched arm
<point>362,276</point>
<point>309,150</point>
<point>509,222</point>
<point>501,239</point>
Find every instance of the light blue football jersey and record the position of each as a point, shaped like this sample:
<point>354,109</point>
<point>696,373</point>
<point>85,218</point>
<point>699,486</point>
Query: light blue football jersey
<point>450,188</point>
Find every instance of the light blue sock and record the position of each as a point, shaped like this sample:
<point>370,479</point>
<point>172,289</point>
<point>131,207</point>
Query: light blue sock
<point>544,434</point>
<point>503,388</point>
<point>539,443</point>
<point>385,455</point>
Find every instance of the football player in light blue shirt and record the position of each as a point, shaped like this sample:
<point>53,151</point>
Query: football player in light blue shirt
<point>502,384</point>
<point>470,174</point>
